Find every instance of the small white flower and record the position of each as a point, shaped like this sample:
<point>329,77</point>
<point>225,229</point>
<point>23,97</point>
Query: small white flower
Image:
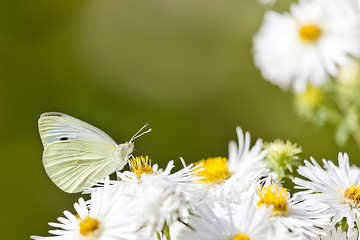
<point>242,157</point>
<point>333,186</point>
<point>106,218</point>
<point>300,216</point>
<point>159,203</point>
<point>228,222</point>
<point>141,167</point>
<point>220,175</point>
<point>307,45</point>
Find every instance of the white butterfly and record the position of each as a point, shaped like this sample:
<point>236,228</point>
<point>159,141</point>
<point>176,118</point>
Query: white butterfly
<point>77,154</point>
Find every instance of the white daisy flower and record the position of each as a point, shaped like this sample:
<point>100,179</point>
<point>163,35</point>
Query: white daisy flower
<point>141,166</point>
<point>159,203</point>
<point>242,159</point>
<point>297,215</point>
<point>333,186</point>
<point>221,175</point>
<point>307,45</point>
<point>228,222</point>
<point>337,234</point>
<point>107,219</point>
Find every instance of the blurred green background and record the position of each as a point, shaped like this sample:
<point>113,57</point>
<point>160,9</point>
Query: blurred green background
<point>184,66</point>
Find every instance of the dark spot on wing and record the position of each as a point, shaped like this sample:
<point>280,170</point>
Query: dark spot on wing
<point>63,138</point>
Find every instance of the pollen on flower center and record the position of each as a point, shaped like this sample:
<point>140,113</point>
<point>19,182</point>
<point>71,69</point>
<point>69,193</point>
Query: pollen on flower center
<point>352,196</point>
<point>241,237</point>
<point>276,196</point>
<point>140,165</point>
<point>89,226</point>
<point>216,170</point>
<point>309,32</point>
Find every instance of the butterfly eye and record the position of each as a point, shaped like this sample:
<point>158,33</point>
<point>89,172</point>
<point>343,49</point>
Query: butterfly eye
<point>63,138</point>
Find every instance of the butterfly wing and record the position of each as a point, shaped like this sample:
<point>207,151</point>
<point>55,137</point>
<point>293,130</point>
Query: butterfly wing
<point>55,127</point>
<point>75,165</point>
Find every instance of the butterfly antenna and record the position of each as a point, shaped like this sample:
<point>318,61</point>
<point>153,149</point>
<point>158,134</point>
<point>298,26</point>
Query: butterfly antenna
<point>139,134</point>
<point>133,138</point>
<point>145,125</point>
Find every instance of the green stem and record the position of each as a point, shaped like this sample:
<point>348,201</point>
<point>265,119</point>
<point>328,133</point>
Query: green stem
<point>158,236</point>
<point>166,232</point>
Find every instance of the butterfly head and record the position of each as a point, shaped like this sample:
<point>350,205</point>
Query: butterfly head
<point>127,147</point>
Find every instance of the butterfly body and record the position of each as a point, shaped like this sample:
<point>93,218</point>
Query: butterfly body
<point>77,154</point>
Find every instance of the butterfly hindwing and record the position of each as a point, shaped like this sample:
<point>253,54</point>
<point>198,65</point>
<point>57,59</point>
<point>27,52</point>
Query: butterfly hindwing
<point>56,127</point>
<point>75,165</point>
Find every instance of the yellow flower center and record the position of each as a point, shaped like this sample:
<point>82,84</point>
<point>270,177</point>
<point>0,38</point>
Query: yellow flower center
<point>140,165</point>
<point>276,196</point>
<point>309,33</point>
<point>216,170</point>
<point>89,226</point>
<point>241,237</point>
<point>311,98</point>
<point>352,196</point>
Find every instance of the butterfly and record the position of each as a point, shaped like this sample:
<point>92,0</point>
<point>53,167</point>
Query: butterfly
<point>77,154</point>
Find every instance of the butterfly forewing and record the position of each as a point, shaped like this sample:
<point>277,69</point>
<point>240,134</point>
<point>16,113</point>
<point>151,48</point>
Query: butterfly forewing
<point>75,165</point>
<point>56,127</point>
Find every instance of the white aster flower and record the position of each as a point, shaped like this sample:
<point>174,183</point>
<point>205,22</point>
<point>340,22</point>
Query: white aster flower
<point>333,186</point>
<point>141,167</point>
<point>228,222</point>
<point>307,45</point>
<point>159,203</point>
<point>242,157</point>
<point>297,215</point>
<point>219,174</point>
<point>337,234</point>
<point>106,218</point>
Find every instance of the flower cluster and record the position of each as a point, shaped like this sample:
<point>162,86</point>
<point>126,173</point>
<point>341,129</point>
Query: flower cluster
<point>314,49</point>
<point>236,198</point>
